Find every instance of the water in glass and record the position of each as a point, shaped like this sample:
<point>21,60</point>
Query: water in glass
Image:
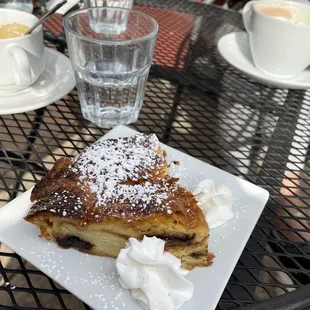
<point>110,98</point>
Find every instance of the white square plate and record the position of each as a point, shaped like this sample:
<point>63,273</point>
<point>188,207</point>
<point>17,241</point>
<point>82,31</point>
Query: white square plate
<point>94,279</point>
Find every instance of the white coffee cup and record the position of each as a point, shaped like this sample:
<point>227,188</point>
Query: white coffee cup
<point>279,40</point>
<point>21,58</point>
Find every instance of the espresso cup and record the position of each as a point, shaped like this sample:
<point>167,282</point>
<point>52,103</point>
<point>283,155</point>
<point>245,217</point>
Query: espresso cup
<point>279,35</point>
<point>21,58</point>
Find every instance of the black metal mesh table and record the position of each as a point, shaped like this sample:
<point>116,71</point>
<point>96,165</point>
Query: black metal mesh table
<point>198,104</point>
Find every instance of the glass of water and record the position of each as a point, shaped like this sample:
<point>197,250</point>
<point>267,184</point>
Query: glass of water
<point>126,4</point>
<point>111,64</point>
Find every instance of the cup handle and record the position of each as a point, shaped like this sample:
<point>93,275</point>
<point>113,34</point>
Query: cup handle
<point>20,66</point>
<point>246,15</point>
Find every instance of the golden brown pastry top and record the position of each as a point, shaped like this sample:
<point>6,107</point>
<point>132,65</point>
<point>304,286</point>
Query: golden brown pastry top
<point>125,177</point>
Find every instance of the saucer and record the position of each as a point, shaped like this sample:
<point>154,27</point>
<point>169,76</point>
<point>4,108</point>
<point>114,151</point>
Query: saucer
<point>56,81</point>
<point>234,47</point>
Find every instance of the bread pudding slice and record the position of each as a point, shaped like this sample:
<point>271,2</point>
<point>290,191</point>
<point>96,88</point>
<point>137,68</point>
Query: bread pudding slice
<point>114,190</point>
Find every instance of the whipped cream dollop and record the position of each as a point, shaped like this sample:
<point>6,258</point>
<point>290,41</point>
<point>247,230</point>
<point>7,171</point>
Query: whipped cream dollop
<point>155,277</point>
<point>215,202</point>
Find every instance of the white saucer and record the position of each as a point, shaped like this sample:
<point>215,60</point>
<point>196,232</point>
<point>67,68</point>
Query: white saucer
<point>234,47</point>
<point>56,81</point>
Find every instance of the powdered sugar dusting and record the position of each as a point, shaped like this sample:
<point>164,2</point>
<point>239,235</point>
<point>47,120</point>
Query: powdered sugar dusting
<point>122,177</point>
<point>141,193</point>
<point>61,202</point>
<point>107,165</point>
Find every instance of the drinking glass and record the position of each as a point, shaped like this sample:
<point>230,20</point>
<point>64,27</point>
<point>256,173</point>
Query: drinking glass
<point>107,23</point>
<point>126,4</point>
<point>111,67</point>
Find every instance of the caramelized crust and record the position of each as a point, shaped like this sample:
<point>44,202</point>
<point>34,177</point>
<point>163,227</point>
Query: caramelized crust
<point>116,189</point>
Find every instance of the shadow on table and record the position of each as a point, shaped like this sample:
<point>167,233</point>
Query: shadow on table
<point>18,287</point>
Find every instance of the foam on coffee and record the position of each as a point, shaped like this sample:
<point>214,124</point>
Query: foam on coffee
<point>12,30</point>
<point>278,12</point>
<point>285,13</point>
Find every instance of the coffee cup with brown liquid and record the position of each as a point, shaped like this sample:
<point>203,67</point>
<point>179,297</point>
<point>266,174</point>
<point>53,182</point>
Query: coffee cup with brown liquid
<point>279,35</point>
<point>21,56</point>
